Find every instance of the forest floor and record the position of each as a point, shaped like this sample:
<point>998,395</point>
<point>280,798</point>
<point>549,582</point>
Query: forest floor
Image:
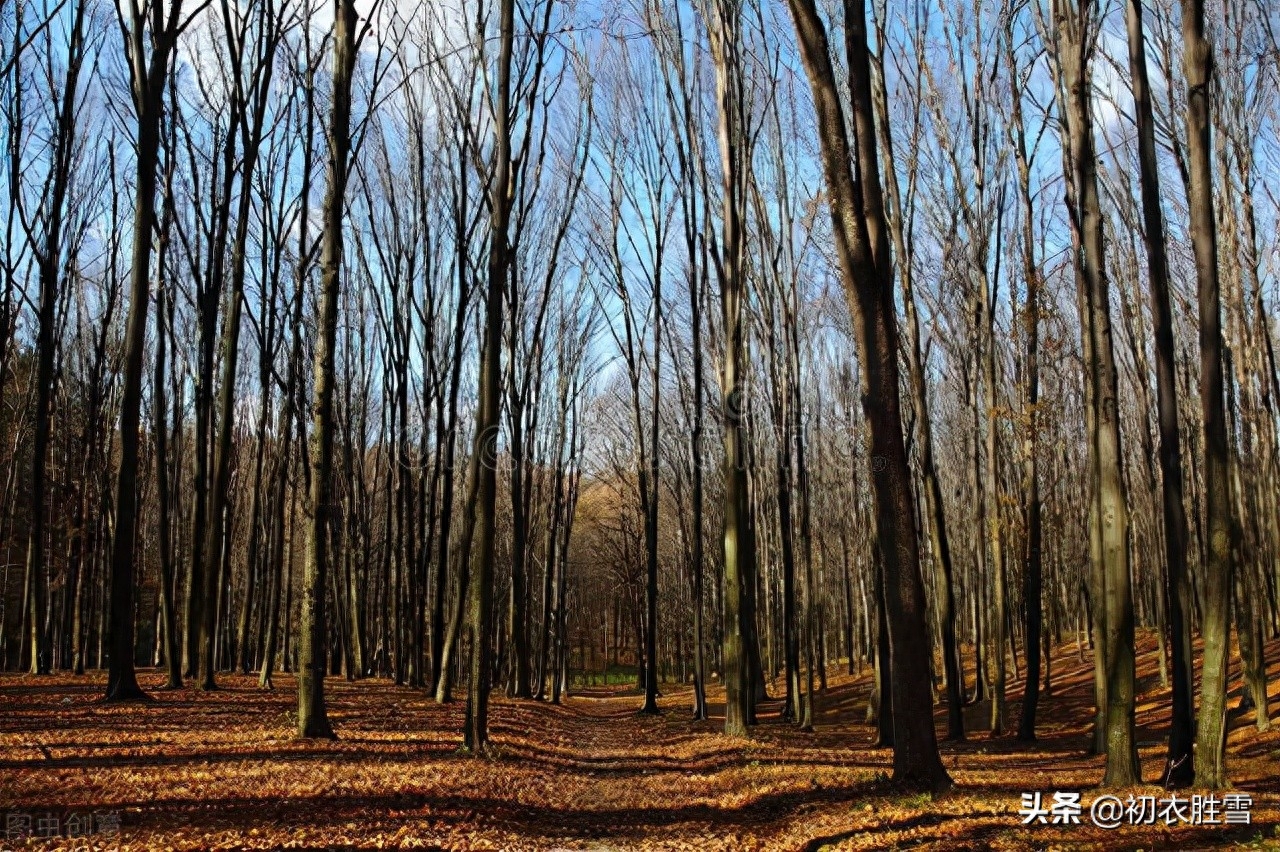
<point>222,770</point>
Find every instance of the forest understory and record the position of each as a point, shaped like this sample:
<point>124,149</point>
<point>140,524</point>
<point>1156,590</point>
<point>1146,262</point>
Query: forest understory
<point>223,770</point>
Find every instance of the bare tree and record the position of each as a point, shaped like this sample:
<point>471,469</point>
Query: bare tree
<point>1211,729</point>
<point>1074,40</point>
<point>1179,771</point>
<point>485,449</point>
<point>1033,570</point>
<point>899,216</point>
<point>313,720</point>
<point>862,247</point>
<point>148,72</point>
<point>739,544</point>
<point>46,237</point>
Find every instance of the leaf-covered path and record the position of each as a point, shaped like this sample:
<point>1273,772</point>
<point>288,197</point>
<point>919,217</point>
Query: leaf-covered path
<point>222,770</point>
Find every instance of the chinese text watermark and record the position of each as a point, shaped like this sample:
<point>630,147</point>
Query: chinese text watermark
<point>77,827</point>
<point>1109,811</point>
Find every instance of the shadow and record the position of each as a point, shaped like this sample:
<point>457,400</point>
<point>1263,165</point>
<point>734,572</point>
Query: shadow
<point>768,783</point>
<point>546,821</point>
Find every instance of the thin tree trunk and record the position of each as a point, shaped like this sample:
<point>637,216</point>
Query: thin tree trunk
<point>1179,769</point>
<point>173,662</point>
<point>148,75</point>
<point>484,452</point>
<point>1113,603</point>
<point>1033,563</point>
<point>1211,729</point>
<point>313,720</point>
<point>440,668</point>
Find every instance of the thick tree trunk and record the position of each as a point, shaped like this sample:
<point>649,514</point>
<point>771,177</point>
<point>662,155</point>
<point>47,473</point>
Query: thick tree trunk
<point>858,218</point>
<point>738,556</point>
<point>934,512</point>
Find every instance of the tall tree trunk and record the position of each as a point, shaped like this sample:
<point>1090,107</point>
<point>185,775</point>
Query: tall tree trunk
<point>148,75</point>
<point>1179,770</point>
<point>1211,729</point>
<point>738,558</point>
<point>243,656</point>
<point>313,720</point>
<point>995,525</point>
<point>652,501</point>
<point>862,247</point>
<point>554,516</point>
<point>173,662</point>
<point>696,498</point>
<point>444,546</point>
<point>50,264</point>
<point>1113,598</point>
<point>217,507</point>
<point>1032,578</point>
<point>457,618</point>
<point>517,612</point>
<point>934,511</point>
<point>692,180</point>
<point>484,452</point>
<point>560,655</point>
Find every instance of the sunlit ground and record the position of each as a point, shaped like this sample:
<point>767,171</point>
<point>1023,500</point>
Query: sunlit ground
<point>222,770</point>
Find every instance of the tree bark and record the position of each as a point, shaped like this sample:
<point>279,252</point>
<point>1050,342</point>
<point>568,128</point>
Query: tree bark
<point>738,558</point>
<point>1211,728</point>
<point>1179,769</point>
<point>480,615</point>
<point>313,720</point>
<point>934,511</point>
<point>147,75</point>
<point>858,219</point>
<point>1113,602</point>
<point>1033,563</point>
